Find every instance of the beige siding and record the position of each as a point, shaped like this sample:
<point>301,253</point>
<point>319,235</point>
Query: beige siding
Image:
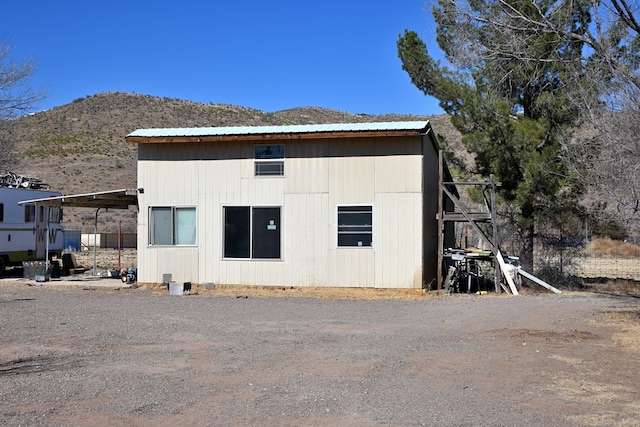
<point>319,175</point>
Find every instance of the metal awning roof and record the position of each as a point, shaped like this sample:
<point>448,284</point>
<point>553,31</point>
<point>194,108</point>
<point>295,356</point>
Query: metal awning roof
<point>273,130</point>
<point>114,199</point>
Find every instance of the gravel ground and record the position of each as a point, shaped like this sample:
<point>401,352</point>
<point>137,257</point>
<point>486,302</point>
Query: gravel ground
<point>94,356</point>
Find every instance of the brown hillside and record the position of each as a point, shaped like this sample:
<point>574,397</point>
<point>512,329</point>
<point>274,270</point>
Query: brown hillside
<point>80,147</point>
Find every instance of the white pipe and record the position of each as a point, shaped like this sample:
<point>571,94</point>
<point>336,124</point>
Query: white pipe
<point>538,281</point>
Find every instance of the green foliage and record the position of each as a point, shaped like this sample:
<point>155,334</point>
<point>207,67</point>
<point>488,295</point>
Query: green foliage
<point>508,96</point>
<point>64,144</point>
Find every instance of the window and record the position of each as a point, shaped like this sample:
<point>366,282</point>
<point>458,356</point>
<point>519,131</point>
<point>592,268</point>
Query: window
<point>30,213</point>
<point>355,226</point>
<point>269,160</point>
<point>1,212</point>
<point>171,226</point>
<point>55,214</point>
<point>251,232</point>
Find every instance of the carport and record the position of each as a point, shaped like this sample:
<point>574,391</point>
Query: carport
<point>112,199</point>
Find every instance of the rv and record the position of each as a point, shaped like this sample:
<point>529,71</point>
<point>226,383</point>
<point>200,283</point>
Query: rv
<point>28,230</point>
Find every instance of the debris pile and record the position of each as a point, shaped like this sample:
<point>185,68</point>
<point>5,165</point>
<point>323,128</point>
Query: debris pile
<point>13,180</point>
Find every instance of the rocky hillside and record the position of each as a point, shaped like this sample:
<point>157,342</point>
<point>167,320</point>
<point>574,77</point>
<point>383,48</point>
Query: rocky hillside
<point>80,147</point>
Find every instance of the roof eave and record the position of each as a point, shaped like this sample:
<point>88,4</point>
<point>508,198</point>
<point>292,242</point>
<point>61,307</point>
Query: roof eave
<point>273,136</point>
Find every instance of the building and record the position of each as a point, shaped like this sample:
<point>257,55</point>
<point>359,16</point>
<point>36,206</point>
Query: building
<point>345,205</point>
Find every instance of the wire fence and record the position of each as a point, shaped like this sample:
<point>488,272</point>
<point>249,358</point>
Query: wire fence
<point>606,268</point>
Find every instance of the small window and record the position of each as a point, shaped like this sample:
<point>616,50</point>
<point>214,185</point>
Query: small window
<point>1,212</point>
<point>172,226</point>
<point>55,215</point>
<point>30,213</point>
<point>355,226</point>
<point>269,160</point>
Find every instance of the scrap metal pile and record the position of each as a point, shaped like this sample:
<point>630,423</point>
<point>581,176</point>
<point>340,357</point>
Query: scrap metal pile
<point>13,180</point>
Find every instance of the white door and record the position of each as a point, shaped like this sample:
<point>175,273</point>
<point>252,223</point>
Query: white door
<point>41,231</point>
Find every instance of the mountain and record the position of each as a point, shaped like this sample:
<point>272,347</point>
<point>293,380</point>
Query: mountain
<point>80,148</point>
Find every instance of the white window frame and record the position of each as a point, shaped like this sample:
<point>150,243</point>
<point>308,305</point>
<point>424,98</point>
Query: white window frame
<point>260,161</point>
<point>337,222</point>
<point>173,232</point>
<point>251,234</point>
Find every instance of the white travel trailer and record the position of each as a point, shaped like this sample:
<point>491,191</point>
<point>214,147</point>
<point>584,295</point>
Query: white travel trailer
<point>28,230</point>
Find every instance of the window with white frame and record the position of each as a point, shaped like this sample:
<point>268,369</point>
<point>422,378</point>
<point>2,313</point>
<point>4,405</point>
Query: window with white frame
<point>252,232</point>
<point>355,225</point>
<point>269,159</point>
<point>172,225</point>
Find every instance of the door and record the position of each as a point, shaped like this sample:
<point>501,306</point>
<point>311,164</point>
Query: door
<point>41,232</point>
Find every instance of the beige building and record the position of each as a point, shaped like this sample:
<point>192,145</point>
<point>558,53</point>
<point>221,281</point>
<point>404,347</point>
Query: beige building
<point>346,205</point>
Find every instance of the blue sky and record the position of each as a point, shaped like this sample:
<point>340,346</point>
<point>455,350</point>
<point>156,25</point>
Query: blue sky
<point>265,55</point>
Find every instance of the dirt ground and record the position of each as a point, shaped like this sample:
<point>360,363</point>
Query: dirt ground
<point>96,353</point>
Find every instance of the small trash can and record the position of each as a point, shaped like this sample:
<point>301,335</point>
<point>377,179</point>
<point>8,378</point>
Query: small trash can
<point>176,288</point>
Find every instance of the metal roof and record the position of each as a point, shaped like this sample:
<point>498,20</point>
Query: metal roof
<point>114,199</point>
<point>416,126</point>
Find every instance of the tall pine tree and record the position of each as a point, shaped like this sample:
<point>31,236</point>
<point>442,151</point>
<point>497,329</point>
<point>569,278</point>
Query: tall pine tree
<point>509,92</point>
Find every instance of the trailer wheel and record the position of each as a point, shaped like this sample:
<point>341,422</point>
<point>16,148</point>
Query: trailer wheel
<point>3,264</point>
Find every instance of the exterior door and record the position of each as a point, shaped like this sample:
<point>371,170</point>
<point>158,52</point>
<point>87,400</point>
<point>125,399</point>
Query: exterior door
<point>41,232</point>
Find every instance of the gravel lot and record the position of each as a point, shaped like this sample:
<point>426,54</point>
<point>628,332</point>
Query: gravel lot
<point>92,356</point>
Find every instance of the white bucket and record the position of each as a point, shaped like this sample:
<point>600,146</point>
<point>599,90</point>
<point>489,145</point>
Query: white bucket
<point>176,288</point>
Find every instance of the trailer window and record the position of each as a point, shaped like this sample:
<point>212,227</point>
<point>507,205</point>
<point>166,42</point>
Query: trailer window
<point>30,213</point>
<point>55,214</point>
<point>1,212</point>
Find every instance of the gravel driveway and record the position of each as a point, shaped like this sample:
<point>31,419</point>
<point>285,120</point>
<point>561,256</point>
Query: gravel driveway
<point>92,357</point>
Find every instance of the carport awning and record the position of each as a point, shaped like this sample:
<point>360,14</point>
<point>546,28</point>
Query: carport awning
<point>114,199</point>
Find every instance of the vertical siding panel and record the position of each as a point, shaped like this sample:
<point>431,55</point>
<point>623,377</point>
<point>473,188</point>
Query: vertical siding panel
<point>322,238</point>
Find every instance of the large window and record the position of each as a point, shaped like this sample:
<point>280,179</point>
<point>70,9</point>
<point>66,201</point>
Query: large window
<point>355,225</point>
<point>251,232</point>
<point>170,225</point>
<point>269,160</point>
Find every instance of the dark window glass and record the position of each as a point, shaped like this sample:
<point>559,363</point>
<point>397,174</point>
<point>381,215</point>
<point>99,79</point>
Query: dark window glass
<point>236,232</point>
<point>30,213</point>
<point>266,233</point>
<point>269,152</point>
<point>269,160</point>
<point>355,225</point>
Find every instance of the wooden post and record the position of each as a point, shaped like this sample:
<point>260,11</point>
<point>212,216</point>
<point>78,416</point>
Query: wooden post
<point>440,219</point>
<point>496,276</point>
<point>119,243</point>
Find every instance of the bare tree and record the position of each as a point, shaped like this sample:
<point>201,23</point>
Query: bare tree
<point>17,97</point>
<point>606,159</point>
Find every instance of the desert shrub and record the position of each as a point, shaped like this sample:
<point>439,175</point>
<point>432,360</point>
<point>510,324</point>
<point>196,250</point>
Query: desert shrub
<point>608,247</point>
